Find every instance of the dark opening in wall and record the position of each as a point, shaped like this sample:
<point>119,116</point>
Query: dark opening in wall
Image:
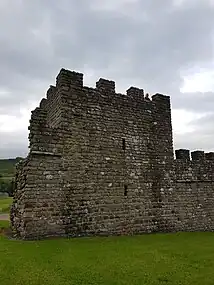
<point>125,190</point>
<point>123,144</point>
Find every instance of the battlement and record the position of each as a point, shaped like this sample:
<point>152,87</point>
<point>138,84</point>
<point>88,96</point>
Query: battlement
<point>197,155</point>
<point>135,92</point>
<point>209,156</point>
<point>199,169</point>
<point>67,78</point>
<point>73,79</point>
<point>51,92</point>
<point>69,96</point>
<point>105,85</point>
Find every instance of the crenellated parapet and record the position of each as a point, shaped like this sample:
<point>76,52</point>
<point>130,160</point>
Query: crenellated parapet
<point>67,78</point>
<point>198,168</point>
<point>135,93</point>
<point>104,85</point>
<point>42,136</point>
<point>209,156</point>
<point>196,155</point>
<point>69,98</point>
<point>51,92</point>
<point>182,154</point>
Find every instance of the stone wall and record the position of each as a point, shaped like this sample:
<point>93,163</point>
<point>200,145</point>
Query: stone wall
<point>192,198</point>
<point>101,163</point>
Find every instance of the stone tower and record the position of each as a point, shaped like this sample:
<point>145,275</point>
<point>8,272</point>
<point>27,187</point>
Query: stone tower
<point>99,163</point>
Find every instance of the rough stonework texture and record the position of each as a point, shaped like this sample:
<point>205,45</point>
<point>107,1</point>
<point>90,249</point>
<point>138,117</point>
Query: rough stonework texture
<point>102,163</point>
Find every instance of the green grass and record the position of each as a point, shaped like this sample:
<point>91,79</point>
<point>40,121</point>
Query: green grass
<point>4,225</point>
<point>183,258</point>
<point>5,204</point>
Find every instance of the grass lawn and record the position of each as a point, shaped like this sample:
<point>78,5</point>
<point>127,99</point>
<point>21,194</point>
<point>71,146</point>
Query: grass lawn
<point>183,258</point>
<point>4,225</point>
<point>5,205</point>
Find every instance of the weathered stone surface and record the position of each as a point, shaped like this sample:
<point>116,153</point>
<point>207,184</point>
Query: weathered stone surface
<point>102,163</point>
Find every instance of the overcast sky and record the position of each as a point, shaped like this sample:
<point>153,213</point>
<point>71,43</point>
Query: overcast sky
<point>164,46</point>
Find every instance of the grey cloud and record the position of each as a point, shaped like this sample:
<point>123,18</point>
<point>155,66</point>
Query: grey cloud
<point>145,43</point>
<point>156,50</point>
<point>204,125</point>
<point>201,137</point>
<point>195,141</point>
<point>195,101</point>
<point>13,144</point>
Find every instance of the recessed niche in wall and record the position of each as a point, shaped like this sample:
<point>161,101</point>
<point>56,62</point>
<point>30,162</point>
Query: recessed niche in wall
<point>123,144</point>
<point>125,190</point>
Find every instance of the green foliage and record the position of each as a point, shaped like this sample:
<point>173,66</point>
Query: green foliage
<point>7,186</point>
<point>7,166</point>
<point>183,258</point>
<point>7,171</point>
